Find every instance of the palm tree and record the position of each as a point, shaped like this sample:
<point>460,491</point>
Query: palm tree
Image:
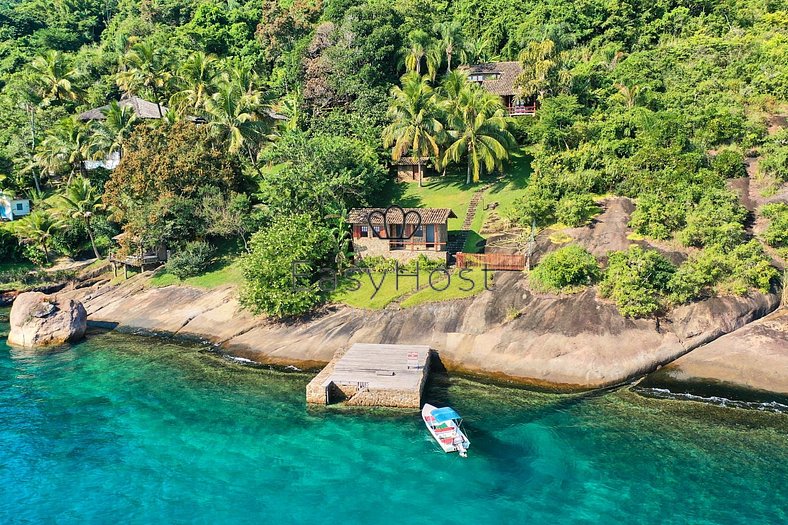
<point>451,41</point>
<point>629,95</point>
<point>109,135</point>
<point>418,43</point>
<point>539,61</point>
<point>66,144</point>
<point>54,78</point>
<point>38,228</point>
<point>415,127</point>
<point>196,81</point>
<point>236,121</point>
<point>82,201</point>
<point>144,67</point>
<point>478,129</point>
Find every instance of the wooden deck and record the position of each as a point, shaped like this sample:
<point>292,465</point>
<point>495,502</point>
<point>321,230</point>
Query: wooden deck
<point>373,375</point>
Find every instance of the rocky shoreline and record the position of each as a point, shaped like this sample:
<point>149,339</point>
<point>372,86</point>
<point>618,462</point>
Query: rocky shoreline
<point>566,343</point>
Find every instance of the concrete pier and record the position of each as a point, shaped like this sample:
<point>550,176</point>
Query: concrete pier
<point>373,375</point>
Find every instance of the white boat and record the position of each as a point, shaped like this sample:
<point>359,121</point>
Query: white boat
<point>445,426</point>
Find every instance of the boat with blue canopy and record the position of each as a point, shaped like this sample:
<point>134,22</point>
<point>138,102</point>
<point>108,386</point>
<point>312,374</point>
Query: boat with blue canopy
<point>445,425</point>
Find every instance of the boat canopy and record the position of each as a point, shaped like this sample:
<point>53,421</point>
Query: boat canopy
<point>444,414</point>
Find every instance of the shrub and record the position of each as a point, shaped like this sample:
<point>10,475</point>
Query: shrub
<point>776,234</point>
<point>537,205</point>
<point>193,260</point>
<point>717,220</point>
<point>656,216</point>
<point>281,270</point>
<point>565,269</point>
<point>575,209</point>
<point>636,281</point>
<point>736,271</point>
<point>729,164</point>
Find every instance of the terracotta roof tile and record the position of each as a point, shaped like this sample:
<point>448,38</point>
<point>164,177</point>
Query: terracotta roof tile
<point>503,84</point>
<point>394,216</point>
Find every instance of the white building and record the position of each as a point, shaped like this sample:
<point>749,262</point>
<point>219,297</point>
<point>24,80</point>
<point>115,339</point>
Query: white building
<point>11,208</point>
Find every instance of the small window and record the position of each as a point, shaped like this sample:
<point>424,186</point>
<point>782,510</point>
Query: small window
<point>365,231</point>
<point>19,207</point>
<point>419,232</point>
<point>376,229</point>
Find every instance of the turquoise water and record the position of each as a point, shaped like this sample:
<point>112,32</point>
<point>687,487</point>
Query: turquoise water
<point>139,430</point>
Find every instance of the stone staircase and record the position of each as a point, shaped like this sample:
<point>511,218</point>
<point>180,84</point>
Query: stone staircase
<point>456,244</point>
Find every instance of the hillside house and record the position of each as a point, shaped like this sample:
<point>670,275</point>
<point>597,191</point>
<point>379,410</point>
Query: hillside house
<point>408,168</point>
<point>401,233</point>
<point>499,78</point>
<point>11,208</point>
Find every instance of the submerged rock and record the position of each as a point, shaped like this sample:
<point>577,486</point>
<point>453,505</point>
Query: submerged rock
<point>38,319</point>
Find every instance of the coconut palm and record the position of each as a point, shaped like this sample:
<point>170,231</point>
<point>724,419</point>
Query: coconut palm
<point>237,121</point>
<point>415,127</point>
<point>418,43</point>
<point>539,62</point>
<point>65,144</point>
<point>110,135</point>
<point>38,229</point>
<point>196,82</point>
<point>628,95</point>
<point>144,67</point>
<point>54,78</point>
<point>451,41</point>
<point>478,130</point>
<point>82,201</point>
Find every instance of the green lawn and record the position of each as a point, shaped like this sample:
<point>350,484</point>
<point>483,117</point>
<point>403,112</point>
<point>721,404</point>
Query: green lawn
<point>455,288</point>
<point>377,296</point>
<point>225,271</point>
<point>450,191</point>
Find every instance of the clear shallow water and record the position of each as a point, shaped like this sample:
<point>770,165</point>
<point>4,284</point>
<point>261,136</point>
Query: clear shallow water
<point>138,430</point>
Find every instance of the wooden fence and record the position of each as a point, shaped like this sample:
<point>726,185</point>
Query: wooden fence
<point>491,261</point>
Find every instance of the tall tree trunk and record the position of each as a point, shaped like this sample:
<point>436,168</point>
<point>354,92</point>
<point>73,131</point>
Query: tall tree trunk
<point>468,177</point>
<point>421,179</point>
<point>89,228</point>
<point>448,62</point>
<point>32,114</point>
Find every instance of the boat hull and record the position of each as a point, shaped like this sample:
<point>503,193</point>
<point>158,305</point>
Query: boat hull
<point>448,434</point>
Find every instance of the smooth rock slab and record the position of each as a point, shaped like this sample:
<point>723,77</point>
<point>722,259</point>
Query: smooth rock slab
<point>38,319</point>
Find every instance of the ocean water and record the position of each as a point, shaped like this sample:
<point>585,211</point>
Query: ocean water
<point>130,429</point>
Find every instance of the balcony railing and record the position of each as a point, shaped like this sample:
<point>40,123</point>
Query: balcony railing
<point>521,110</point>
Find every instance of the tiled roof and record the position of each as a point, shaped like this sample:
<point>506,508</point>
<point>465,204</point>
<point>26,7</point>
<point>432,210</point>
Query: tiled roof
<point>394,215</point>
<point>411,161</point>
<point>507,73</point>
<point>141,107</point>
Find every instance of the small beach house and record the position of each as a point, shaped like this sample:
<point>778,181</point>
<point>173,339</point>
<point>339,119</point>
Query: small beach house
<point>11,208</point>
<point>499,78</point>
<point>401,233</point>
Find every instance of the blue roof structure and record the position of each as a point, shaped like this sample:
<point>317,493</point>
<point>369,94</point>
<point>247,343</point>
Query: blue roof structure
<point>444,414</point>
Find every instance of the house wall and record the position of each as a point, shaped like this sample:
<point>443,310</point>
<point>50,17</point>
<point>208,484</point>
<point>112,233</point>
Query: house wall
<point>408,173</point>
<point>374,247</point>
<point>20,207</point>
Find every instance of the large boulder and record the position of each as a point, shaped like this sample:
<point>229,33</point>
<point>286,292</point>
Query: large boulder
<point>38,319</point>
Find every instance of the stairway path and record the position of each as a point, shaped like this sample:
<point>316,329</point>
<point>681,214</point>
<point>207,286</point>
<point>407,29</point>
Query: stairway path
<point>459,241</point>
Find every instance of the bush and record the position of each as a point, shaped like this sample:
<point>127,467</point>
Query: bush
<point>717,220</point>
<point>737,271</point>
<point>729,164</point>
<point>537,205</point>
<point>193,260</point>
<point>564,269</point>
<point>575,209</point>
<point>10,250</point>
<point>776,234</point>
<point>636,281</point>
<point>656,216</point>
<point>281,270</point>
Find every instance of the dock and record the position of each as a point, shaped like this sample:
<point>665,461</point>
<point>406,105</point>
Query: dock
<point>373,375</point>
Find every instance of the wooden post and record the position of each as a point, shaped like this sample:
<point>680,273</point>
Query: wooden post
<point>125,271</point>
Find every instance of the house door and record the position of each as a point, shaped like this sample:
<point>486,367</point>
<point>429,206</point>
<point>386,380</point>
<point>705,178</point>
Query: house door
<point>429,236</point>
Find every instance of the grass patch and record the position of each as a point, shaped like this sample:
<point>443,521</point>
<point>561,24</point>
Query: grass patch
<point>455,288</point>
<point>559,238</point>
<point>226,271</point>
<point>383,292</point>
